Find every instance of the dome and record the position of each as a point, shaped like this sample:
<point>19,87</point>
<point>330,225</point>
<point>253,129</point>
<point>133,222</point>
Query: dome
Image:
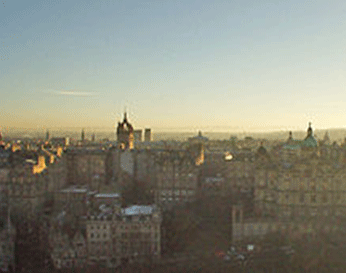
<point>309,142</point>
<point>199,137</point>
<point>261,151</point>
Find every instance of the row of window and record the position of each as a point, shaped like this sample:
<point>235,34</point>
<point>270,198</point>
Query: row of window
<point>312,198</point>
<point>98,235</point>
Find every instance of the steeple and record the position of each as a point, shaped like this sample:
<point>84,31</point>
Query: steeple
<point>82,135</point>
<point>47,135</point>
<point>309,130</point>
<point>326,138</point>
<point>309,141</point>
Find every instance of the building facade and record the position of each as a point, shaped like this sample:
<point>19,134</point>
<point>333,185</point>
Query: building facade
<point>125,235</point>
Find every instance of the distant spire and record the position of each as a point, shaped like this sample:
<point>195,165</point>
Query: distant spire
<point>82,135</point>
<point>290,138</point>
<point>309,130</point>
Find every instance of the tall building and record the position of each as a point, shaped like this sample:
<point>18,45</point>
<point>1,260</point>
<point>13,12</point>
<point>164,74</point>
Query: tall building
<point>82,135</point>
<point>125,134</point>
<point>137,135</point>
<point>147,135</point>
<point>47,136</point>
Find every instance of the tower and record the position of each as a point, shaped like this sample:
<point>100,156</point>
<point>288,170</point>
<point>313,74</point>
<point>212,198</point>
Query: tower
<point>309,132</point>
<point>82,135</point>
<point>2,143</point>
<point>147,135</point>
<point>125,134</point>
<point>47,135</point>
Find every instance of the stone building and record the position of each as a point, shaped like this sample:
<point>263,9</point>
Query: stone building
<point>7,234</point>
<point>28,176</point>
<point>301,186</point>
<point>68,247</point>
<point>88,166</point>
<point>73,198</point>
<point>7,245</point>
<point>171,174</point>
<point>124,235</point>
<point>176,177</point>
<point>26,190</point>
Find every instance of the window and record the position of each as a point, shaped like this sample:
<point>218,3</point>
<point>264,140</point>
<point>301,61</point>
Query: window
<point>302,198</point>
<point>287,197</point>
<point>313,186</point>
<point>324,198</point>
<point>313,198</point>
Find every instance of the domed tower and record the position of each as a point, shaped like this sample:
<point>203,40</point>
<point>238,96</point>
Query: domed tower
<point>125,134</point>
<point>309,141</point>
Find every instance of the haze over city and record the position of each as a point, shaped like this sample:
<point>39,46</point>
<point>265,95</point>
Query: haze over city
<point>179,65</point>
<point>172,136</point>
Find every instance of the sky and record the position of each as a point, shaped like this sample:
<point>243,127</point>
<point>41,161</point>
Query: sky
<point>173,65</point>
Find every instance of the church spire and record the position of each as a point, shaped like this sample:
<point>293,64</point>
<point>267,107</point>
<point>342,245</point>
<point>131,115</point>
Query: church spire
<point>309,130</point>
<point>82,135</point>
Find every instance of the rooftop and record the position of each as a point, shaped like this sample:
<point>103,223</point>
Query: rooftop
<point>74,190</point>
<point>137,210</point>
<point>107,195</point>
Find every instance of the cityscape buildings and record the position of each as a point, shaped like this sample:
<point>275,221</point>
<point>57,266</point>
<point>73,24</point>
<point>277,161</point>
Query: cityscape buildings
<point>107,203</point>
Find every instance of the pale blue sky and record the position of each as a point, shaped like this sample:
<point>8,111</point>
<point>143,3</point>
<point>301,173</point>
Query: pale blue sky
<point>210,65</point>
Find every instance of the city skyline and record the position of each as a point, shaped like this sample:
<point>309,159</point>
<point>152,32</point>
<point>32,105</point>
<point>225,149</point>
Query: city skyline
<point>248,66</point>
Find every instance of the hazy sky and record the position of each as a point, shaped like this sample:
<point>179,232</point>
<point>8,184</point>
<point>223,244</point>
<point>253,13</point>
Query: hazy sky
<point>210,65</point>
